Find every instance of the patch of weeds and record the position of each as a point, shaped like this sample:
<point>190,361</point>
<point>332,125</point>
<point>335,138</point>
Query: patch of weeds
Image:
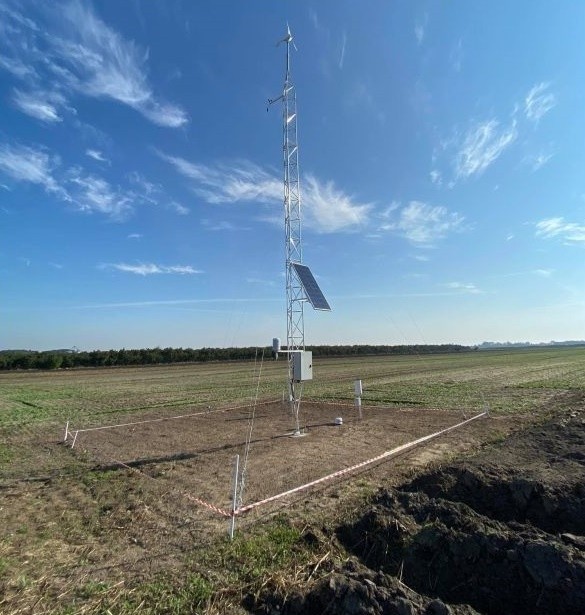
<point>366,489</point>
<point>44,534</point>
<point>92,589</point>
<point>97,476</point>
<point>260,554</point>
<point>498,439</point>
<point>272,560</point>
<point>165,596</point>
<point>6,454</point>
<point>4,566</point>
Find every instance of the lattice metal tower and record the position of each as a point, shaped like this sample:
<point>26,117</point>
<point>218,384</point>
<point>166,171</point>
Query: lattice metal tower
<point>295,298</point>
<point>301,286</point>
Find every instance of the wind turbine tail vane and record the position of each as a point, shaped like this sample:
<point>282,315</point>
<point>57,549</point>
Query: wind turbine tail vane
<point>288,39</point>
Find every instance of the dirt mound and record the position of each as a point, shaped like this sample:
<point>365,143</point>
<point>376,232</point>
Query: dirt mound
<point>355,590</point>
<point>501,532</point>
<point>537,478</point>
<point>446,549</point>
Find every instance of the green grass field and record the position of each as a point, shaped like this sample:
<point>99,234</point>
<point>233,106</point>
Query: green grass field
<point>511,381</point>
<point>66,517</point>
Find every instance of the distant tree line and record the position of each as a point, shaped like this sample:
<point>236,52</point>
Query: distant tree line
<point>61,359</point>
<point>496,345</point>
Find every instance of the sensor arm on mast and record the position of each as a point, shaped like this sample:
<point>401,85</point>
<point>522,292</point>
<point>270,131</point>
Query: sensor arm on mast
<point>271,101</point>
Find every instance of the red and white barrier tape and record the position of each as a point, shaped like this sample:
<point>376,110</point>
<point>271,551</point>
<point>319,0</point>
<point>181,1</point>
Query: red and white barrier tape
<point>394,451</point>
<point>219,511</point>
<point>357,466</point>
<point>191,498</point>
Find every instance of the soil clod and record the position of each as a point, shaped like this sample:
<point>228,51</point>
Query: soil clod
<point>501,532</point>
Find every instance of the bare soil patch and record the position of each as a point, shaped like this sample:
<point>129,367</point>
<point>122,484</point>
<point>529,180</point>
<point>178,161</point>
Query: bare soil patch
<point>97,523</point>
<point>196,455</point>
<point>498,532</point>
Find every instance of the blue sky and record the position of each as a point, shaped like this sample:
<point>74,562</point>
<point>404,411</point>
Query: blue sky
<point>442,149</point>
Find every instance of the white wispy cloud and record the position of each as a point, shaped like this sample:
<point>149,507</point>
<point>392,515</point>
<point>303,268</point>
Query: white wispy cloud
<point>133,304</point>
<point>465,287</point>
<point>135,236</point>
<point>545,273</point>
<point>144,189</point>
<point>145,269</point>
<point>178,208</point>
<point>481,146</point>
<point>94,194</point>
<point>342,53</point>
<point>474,150</point>
<point>571,232</point>
<point>83,54</point>
<point>331,209</point>
<point>222,183</point>
<point>84,191</point>
<point>17,68</point>
<point>423,224</point>
<point>314,19</point>
<point>152,193</point>
<point>539,101</point>
<point>40,105</point>
<point>101,63</point>
<point>436,178</point>
<point>420,28</point>
<point>17,17</point>
<point>96,155</point>
<point>30,164</point>
<point>456,56</point>
<point>260,282</point>
<point>537,161</point>
<point>327,208</point>
<point>223,225</point>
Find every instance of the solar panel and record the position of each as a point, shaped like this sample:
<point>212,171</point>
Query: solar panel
<point>312,290</point>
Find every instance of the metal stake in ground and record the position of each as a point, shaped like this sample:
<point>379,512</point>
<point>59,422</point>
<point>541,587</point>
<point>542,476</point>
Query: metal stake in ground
<point>358,397</point>
<point>232,526</point>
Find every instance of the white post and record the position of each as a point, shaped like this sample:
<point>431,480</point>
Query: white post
<point>486,406</point>
<point>74,439</point>
<point>234,498</point>
<point>66,432</point>
<point>358,397</point>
